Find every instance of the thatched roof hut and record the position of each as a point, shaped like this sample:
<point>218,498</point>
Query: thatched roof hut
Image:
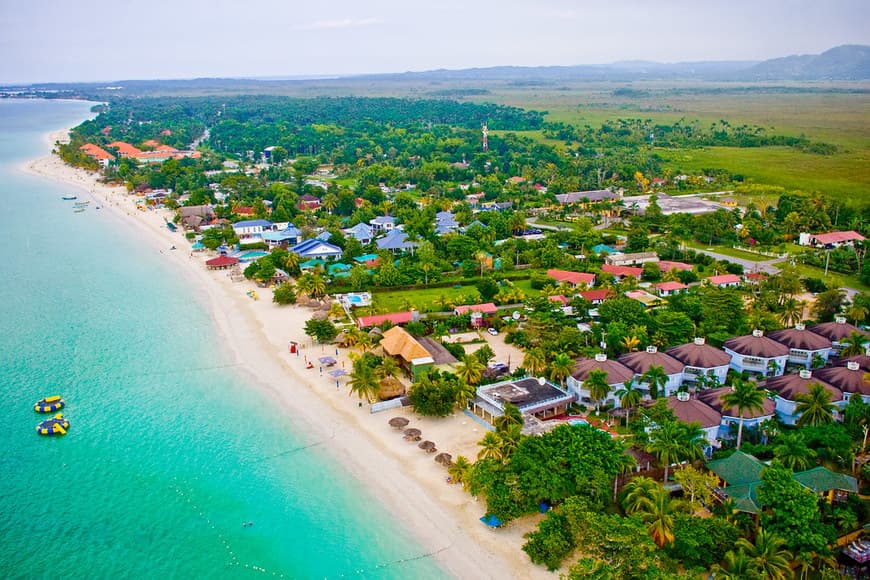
<point>391,388</point>
<point>320,315</point>
<point>428,446</point>
<point>398,422</point>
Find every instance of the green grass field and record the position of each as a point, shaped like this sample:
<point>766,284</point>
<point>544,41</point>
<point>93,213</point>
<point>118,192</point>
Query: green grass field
<point>429,299</point>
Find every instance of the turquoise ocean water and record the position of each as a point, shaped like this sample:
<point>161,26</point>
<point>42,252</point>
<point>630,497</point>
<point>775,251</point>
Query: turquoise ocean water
<point>169,451</point>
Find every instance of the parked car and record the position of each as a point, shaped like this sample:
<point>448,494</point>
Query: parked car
<point>492,331</point>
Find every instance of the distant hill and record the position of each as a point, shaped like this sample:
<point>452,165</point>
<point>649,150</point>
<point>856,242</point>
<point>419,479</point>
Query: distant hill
<point>847,62</point>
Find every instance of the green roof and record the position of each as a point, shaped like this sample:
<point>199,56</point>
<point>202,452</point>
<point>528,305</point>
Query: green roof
<point>737,469</point>
<point>820,479</point>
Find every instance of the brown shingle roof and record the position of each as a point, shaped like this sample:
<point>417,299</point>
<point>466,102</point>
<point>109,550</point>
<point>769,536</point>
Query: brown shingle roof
<point>694,411</point>
<point>617,373</point>
<point>713,397</point>
<point>756,345</point>
<point>699,354</point>
<point>837,330</point>
<point>789,386</point>
<point>848,380</point>
<point>640,362</point>
<point>801,338</point>
<point>862,359</point>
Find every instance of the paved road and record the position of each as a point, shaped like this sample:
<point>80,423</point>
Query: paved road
<point>766,266</point>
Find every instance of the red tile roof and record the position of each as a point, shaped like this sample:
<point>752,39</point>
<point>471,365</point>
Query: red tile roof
<point>125,149</point>
<point>670,286</point>
<point>395,318</point>
<point>96,152</point>
<point>487,308</point>
<point>666,266</point>
<point>574,278</point>
<point>839,237</point>
<point>244,210</point>
<point>622,270</point>
<point>558,298</point>
<point>221,261</point>
<point>724,279</point>
<point>595,295</point>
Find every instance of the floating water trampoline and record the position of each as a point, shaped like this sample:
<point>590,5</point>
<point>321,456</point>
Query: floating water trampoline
<point>49,404</point>
<point>57,425</point>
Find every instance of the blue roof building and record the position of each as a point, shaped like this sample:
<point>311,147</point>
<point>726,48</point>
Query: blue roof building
<point>395,241</point>
<point>361,232</point>
<point>383,223</point>
<point>286,237</point>
<point>315,248</point>
<point>252,226</point>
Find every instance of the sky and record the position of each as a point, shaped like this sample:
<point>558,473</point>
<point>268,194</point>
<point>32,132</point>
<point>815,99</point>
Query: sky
<point>86,40</point>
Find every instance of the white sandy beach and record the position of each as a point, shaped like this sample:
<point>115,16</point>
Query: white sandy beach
<point>443,517</point>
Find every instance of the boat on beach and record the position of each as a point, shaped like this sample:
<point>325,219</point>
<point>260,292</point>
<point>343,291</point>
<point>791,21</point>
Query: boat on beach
<point>49,404</point>
<point>57,425</point>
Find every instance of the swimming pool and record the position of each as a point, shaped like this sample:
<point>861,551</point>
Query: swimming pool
<point>251,255</point>
<point>578,422</point>
<point>358,299</point>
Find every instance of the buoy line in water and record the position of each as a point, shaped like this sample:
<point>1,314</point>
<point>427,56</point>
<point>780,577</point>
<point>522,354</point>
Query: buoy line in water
<point>231,554</point>
<point>298,449</point>
<point>400,561</point>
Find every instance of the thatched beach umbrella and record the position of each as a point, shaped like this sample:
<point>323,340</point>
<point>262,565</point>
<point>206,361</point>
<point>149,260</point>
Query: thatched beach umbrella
<point>413,433</point>
<point>444,459</point>
<point>390,388</point>
<point>398,422</point>
<point>320,315</point>
<point>428,446</point>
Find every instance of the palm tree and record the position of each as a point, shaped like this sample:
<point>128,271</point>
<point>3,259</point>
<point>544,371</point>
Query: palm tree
<point>535,361</point>
<point>291,263</point>
<point>512,416</point>
<point>737,566</point>
<point>630,343</point>
<point>814,406</point>
<point>692,442</point>
<point>746,396</point>
<point>656,378</point>
<point>560,367</point>
<point>666,444</point>
<point>659,515</point>
<point>311,284</point>
<point>596,384</point>
<point>855,344</point>
<point>470,369</point>
<point>637,493</point>
<point>464,393</point>
<point>388,368</point>
<point>792,311</point>
<point>510,440</point>
<point>459,470</point>
<point>857,313</point>
<point>364,381</point>
<point>768,554</point>
<point>791,450</point>
<point>491,446</point>
<point>629,397</point>
<point>329,202</point>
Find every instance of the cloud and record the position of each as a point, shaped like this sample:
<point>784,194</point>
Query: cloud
<point>343,23</point>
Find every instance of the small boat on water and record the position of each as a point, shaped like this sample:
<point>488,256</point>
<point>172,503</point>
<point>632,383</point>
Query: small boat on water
<point>78,210</point>
<point>57,425</point>
<point>69,197</point>
<point>49,404</point>
<point>81,203</point>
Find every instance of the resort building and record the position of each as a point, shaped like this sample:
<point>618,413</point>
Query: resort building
<point>289,236</point>
<point>862,360</point>
<point>757,354</point>
<point>830,239</point>
<point>222,262</point>
<point>597,297</point>
<point>620,272</point>
<point>617,375</point>
<point>850,379</point>
<point>317,249</point>
<point>97,153</point>
<point>247,228</point>
<point>805,348</point>
<point>701,360</point>
<point>360,232</point>
<point>640,362</point>
<point>193,217</point>
<point>411,355</point>
<point>730,422</point>
<point>537,397</point>
<point>645,298</point>
<point>786,389</point>
<point>383,223</point>
<point>395,241</point>
<point>574,279</point>
<point>740,477</point>
<point>837,331</point>
<point>690,410</point>
<point>725,281</point>
<point>478,312</point>
<point>395,318</point>
<point>665,289</point>
<point>620,259</point>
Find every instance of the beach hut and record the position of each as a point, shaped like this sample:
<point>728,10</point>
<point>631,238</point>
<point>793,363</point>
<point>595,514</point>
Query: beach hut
<point>390,388</point>
<point>221,262</point>
<point>398,422</point>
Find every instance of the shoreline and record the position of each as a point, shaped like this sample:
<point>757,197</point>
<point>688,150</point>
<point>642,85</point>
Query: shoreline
<point>255,334</point>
